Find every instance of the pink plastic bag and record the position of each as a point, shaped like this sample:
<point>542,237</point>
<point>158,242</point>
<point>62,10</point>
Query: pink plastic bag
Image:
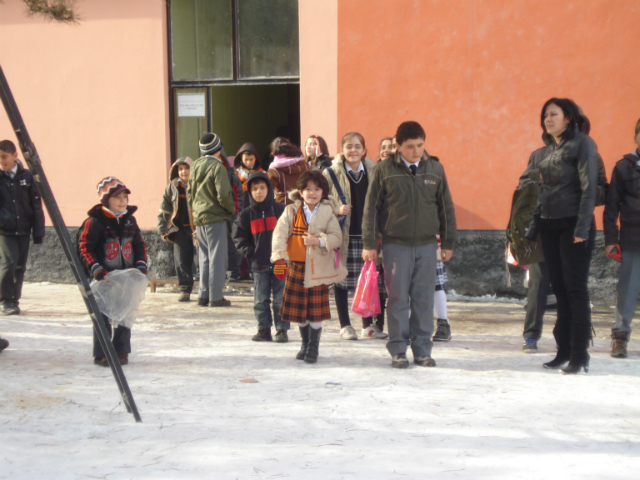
<point>366,300</point>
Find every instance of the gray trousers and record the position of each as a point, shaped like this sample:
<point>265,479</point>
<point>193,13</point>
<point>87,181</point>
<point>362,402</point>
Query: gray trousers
<point>410,279</point>
<point>536,300</point>
<point>212,254</point>
<point>628,290</point>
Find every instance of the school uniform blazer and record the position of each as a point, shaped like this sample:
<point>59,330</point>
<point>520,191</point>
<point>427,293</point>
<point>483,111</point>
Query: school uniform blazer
<point>321,267</point>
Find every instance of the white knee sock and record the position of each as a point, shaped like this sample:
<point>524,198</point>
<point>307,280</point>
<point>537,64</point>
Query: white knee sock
<point>440,301</point>
<point>304,324</point>
<point>315,325</point>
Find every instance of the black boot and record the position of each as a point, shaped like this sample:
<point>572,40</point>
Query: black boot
<point>304,335</point>
<point>580,338</point>
<point>562,334</point>
<point>314,345</point>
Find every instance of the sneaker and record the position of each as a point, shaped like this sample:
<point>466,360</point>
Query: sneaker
<point>223,302</point>
<point>281,336</point>
<point>425,361</point>
<point>101,361</point>
<point>123,358</point>
<point>203,301</point>
<point>348,333</point>
<point>400,361</point>
<point>443,332</point>
<point>3,344</point>
<point>372,331</point>
<point>184,297</point>
<point>262,336</point>
<point>530,345</point>
<point>9,309</point>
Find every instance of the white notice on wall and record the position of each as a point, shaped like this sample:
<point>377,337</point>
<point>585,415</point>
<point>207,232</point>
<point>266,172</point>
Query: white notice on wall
<point>191,105</point>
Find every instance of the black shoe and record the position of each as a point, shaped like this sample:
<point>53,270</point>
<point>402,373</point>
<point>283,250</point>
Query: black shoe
<point>223,302</point>
<point>184,297</point>
<point>574,369</point>
<point>9,309</point>
<point>304,335</point>
<point>530,345</point>
<point>123,358</point>
<point>557,362</point>
<point>281,336</point>
<point>314,346</point>
<point>263,335</point>
<point>425,361</point>
<point>203,302</point>
<point>3,344</point>
<point>101,361</point>
<point>400,361</point>
<point>443,333</point>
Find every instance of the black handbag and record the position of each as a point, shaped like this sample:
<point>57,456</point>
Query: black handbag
<point>343,199</point>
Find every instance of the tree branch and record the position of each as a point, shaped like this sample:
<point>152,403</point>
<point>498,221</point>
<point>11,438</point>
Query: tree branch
<point>53,10</point>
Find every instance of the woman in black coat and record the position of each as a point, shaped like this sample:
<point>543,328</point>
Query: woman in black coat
<point>564,218</point>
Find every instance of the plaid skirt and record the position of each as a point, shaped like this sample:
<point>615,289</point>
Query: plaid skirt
<point>355,264</point>
<point>300,304</point>
<point>441,276</point>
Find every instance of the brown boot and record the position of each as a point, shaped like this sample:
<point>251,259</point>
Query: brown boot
<point>619,344</point>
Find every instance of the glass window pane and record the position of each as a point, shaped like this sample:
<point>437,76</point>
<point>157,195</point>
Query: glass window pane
<point>191,120</point>
<point>201,39</point>
<point>268,31</point>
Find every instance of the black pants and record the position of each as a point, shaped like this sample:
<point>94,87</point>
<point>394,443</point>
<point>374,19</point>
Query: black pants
<point>14,251</point>
<point>183,251</point>
<point>342,306</point>
<point>568,265</point>
<point>121,339</point>
<point>536,300</point>
<point>234,258</point>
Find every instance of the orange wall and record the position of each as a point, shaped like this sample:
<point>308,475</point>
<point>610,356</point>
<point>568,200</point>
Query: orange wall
<point>476,73</point>
<point>94,99</point>
<point>318,20</point>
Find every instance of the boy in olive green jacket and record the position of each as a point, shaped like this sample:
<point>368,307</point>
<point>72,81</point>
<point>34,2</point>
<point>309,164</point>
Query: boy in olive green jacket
<point>407,204</point>
<point>212,205</point>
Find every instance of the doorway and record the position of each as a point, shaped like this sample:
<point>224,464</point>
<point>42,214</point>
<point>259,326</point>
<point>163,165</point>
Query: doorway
<point>237,114</point>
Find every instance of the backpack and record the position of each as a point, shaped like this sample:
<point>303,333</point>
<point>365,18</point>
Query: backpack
<point>76,238</point>
<point>524,202</point>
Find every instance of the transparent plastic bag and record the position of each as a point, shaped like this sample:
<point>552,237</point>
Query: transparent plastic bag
<point>366,300</point>
<point>119,295</point>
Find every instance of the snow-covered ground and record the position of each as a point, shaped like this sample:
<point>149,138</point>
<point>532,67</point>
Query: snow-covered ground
<point>486,411</point>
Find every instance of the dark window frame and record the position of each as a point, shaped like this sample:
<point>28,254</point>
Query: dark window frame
<point>174,85</point>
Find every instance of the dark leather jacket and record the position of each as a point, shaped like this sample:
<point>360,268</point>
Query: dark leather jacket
<point>20,205</point>
<point>569,181</point>
<point>623,198</point>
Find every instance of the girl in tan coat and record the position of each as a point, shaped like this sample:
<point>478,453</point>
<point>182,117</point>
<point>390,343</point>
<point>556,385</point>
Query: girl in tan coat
<point>352,170</point>
<point>306,239</point>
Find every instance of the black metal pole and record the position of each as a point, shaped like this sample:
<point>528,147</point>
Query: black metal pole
<point>35,166</point>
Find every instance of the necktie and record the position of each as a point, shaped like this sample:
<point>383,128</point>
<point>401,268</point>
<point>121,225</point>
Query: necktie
<point>413,169</point>
<point>355,175</point>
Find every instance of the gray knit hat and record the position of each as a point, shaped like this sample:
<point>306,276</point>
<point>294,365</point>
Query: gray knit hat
<point>210,143</point>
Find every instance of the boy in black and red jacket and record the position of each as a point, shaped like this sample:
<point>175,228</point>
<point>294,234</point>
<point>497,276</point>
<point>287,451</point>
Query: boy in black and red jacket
<point>252,234</point>
<point>110,240</point>
<point>20,216</point>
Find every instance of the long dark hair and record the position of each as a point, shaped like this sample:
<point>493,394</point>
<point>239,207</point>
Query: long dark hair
<point>282,146</point>
<point>321,143</point>
<point>570,110</point>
